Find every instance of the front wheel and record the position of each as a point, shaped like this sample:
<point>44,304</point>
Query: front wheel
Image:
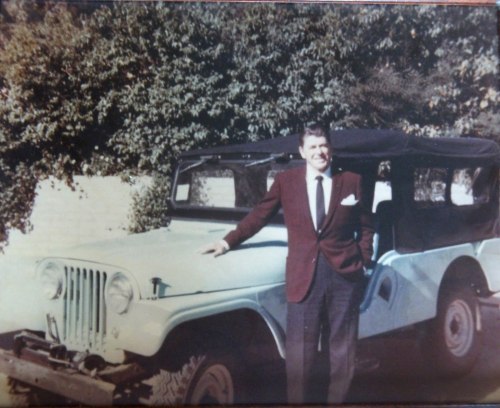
<point>213,384</point>
<point>452,341</point>
<point>209,379</point>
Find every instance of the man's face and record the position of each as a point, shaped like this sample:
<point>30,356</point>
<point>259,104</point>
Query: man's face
<point>317,152</point>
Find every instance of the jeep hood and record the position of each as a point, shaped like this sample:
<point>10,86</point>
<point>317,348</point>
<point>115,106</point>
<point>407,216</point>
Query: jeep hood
<point>172,254</point>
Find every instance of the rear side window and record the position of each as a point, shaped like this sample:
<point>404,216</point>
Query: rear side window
<point>429,186</point>
<point>465,186</point>
<point>470,186</point>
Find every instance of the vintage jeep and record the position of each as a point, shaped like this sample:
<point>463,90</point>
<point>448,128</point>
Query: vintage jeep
<point>148,319</point>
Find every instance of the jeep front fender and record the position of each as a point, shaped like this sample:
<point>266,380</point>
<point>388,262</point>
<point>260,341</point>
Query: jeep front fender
<point>144,328</point>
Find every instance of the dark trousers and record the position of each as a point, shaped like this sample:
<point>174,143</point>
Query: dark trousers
<point>330,313</point>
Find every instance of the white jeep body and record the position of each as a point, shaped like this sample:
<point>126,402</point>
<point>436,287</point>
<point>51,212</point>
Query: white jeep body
<point>151,303</point>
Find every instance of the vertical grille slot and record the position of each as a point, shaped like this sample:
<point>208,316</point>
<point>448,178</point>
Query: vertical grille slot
<point>84,311</point>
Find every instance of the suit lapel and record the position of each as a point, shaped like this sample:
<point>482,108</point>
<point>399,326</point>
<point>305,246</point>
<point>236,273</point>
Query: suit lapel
<point>304,199</point>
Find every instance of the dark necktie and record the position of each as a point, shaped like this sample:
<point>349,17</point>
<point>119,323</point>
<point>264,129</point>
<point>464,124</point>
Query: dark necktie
<point>320,203</point>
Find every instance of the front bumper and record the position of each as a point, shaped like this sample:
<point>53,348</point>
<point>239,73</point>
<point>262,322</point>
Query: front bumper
<point>61,381</point>
<point>48,365</point>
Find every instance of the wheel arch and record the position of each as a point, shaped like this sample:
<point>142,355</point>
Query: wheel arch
<point>465,271</point>
<point>236,330</point>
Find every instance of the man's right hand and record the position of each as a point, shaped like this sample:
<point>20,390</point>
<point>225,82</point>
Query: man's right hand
<point>217,248</point>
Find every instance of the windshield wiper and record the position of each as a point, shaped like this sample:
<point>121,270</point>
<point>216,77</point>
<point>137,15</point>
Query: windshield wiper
<point>273,157</point>
<point>203,160</point>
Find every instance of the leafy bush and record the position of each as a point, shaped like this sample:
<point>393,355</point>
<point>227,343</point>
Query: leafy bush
<point>123,88</point>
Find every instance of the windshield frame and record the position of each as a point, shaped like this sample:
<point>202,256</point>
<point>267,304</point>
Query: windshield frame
<point>177,209</point>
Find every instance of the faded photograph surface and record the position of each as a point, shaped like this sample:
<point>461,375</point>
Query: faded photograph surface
<point>138,140</point>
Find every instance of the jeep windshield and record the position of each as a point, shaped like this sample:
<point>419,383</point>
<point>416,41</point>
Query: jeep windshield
<point>225,189</point>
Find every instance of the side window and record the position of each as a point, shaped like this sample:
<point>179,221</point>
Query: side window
<point>470,186</point>
<point>429,186</point>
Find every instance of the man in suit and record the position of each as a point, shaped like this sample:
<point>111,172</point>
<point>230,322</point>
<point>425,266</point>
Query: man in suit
<point>329,242</point>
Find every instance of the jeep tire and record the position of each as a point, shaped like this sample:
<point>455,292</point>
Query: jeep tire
<point>210,379</point>
<point>452,342</point>
<point>213,383</point>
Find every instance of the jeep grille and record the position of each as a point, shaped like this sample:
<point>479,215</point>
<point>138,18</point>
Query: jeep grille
<point>84,308</point>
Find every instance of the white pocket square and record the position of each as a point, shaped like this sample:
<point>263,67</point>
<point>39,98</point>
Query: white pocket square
<point>349,200</point>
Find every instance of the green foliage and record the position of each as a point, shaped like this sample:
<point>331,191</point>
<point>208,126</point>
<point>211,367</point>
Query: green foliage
<point>124,88</point>
<point>17,195</point>
<point>431,72</point>
<point>287,74</point>
<point>149,208</point>
<point>386,98</point>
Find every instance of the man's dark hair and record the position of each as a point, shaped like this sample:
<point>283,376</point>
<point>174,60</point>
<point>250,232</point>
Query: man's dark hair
<point>314,129</point>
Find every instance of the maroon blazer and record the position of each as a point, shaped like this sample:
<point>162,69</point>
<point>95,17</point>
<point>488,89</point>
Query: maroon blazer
<point>337,238</point>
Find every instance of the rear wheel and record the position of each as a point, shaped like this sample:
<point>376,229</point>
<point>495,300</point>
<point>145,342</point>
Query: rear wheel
<point>453,341</point>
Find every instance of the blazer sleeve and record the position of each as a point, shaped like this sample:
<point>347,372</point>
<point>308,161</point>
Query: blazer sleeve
<point>258,217</point>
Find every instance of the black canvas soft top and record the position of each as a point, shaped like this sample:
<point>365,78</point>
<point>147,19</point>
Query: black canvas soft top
<point>367,145</point>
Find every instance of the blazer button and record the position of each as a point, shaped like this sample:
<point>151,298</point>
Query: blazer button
<point>314,260</point>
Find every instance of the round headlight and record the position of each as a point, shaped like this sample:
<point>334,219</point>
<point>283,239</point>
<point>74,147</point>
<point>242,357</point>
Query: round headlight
<point>119,293</point>
<point>51,279</point>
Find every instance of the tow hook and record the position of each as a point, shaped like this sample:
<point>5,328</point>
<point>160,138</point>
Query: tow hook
<point>89,364</point>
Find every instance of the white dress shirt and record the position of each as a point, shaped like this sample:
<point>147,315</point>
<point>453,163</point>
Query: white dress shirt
<point>312,184</point>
